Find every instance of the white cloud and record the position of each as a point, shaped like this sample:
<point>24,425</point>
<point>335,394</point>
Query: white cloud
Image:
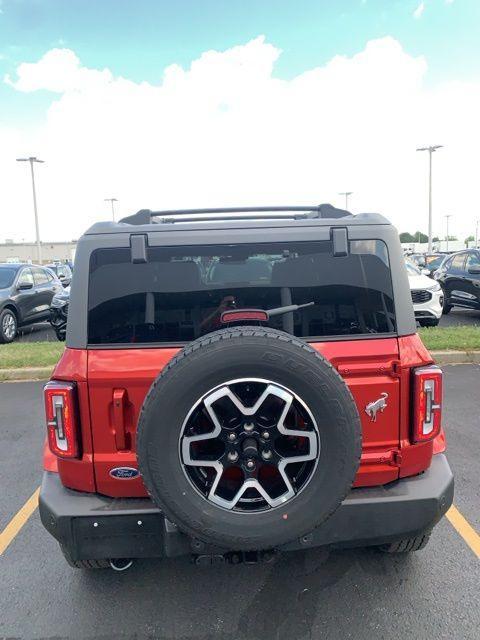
<point>419,11</point>
<point>226,131</point>
<point>59,70</point>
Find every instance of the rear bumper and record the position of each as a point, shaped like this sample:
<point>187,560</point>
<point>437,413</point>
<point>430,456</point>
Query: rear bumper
<point>91,526</point>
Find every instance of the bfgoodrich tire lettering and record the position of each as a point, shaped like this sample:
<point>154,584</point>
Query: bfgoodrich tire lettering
<point>232,354</point>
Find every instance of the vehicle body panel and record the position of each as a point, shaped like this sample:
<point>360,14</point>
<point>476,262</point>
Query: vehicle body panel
<point>106,376</point>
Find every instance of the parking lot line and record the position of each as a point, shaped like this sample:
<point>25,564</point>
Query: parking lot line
<point>462,527</point>
<point>18,520</point>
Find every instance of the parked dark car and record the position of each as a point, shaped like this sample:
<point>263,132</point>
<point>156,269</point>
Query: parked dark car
<point>26,292</point>
<point>63,273</point>
<point>459,277</point>
<point>59,312</point>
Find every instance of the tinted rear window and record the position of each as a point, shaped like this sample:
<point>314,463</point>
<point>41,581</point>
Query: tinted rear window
<point>181,292</point>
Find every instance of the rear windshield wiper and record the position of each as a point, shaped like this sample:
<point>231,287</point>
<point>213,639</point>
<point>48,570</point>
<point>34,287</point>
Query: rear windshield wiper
<point>278,311</point>
<point>261,315</point>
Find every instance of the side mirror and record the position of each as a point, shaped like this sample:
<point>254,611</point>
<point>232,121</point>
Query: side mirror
<point>23,286</point>
<point>474,271</point>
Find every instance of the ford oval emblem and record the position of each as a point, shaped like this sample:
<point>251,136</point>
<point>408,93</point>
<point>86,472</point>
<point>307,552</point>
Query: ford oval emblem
<point>124,473</point>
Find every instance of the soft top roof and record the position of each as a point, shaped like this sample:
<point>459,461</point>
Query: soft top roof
<point>236,217</point>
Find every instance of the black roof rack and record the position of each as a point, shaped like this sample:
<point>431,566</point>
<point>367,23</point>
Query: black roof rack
<point>146,216</point>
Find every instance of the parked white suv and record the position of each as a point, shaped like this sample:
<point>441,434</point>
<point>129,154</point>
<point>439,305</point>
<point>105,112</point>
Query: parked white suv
<point>427,297</point>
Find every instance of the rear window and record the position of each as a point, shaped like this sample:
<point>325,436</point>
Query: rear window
<point>180,293</point>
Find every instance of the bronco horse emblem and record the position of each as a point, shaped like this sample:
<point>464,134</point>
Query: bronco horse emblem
<point>378,405</point>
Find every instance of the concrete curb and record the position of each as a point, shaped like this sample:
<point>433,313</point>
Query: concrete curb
<point>456,357</point>
<point>26,373</point>
<point>43,373</point>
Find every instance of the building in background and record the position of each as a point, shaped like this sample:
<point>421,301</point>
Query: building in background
<point>27,251</point>
<point>441,246</point>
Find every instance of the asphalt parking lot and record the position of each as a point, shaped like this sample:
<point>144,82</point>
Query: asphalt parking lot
<point>40,332</point>
<point>315,594</point>
<point>458,317</point>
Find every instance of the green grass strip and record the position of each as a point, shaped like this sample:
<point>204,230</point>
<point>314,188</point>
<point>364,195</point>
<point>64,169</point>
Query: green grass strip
<point>30,354</point>
<point>462,338</point>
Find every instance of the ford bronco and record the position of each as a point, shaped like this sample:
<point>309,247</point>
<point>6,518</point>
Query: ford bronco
<point>238,382</point>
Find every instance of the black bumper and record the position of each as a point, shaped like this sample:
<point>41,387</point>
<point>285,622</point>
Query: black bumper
<point>92,526</point>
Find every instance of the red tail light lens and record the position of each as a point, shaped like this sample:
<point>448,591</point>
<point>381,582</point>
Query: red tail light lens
<point>427,407</point>
<point>61,412</point>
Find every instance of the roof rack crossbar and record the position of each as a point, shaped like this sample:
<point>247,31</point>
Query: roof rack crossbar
<point>144,216</point>
<point>235,217</point>
<point>187,212</point>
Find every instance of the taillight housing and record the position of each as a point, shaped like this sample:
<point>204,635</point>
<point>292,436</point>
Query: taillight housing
<point>62,418</point>
<point>427,404</point>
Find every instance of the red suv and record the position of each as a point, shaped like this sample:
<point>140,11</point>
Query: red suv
<point>238,382</point>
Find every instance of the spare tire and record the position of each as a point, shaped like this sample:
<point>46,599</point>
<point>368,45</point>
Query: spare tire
<point>248,439</point>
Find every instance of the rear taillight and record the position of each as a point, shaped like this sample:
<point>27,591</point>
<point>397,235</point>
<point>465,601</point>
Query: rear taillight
<point>427,406</point>
<point>62,423</point>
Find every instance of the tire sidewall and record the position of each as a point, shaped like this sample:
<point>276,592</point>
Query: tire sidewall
<point>301,371</point>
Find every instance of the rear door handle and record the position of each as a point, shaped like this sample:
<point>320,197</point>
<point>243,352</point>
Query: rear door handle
<point>119,399</point>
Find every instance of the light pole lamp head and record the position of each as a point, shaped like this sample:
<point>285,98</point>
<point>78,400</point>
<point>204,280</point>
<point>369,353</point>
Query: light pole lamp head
<point>30,159</point>
<point>431,149</point>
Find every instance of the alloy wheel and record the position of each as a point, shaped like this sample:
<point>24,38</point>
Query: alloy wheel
<point>249,445</point>
<point>9,326</point>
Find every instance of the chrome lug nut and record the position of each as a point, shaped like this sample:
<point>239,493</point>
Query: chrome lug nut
<point>265,435</point>
<point>231,437</point>
<point>266,455</point>
<point>248,426</point>
<point>250,464</point>
<point>232,456</point>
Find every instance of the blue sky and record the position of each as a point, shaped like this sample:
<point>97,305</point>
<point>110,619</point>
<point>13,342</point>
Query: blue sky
<point>137,39</point>
<point>336,95</point>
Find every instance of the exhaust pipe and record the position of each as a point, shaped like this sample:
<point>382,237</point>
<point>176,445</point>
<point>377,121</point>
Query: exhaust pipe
<point>120,564</point>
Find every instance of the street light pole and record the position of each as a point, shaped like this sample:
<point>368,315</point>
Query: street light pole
<point>346,194</point>
<point>112,200</point>
<point>430,150</point>
<point>31,160</point>
<point>448,217</point>
<point>476,233</point>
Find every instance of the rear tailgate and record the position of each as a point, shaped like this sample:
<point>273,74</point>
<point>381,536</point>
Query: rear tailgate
<point>368,366</point>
